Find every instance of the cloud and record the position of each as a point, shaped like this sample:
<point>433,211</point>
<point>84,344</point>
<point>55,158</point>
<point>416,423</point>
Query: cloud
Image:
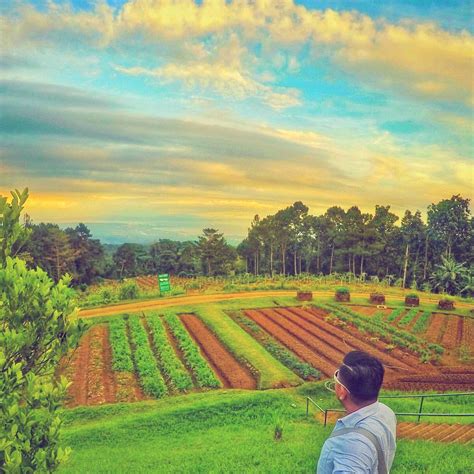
<point>421,59</point>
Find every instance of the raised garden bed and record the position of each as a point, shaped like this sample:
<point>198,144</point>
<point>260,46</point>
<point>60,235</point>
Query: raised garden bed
<point>377,298</point>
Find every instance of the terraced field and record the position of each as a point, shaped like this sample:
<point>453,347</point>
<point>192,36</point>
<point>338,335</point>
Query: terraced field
<point>157,354</point>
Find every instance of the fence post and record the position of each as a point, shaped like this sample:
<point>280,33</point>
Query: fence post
<point>325,417</point>
<point>307,407</point>
<point>420,409</point>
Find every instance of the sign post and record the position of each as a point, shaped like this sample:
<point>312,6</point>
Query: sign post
<point>164,282</point>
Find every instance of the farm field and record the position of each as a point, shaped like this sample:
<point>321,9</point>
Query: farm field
<point>270,343</point>
<point>230,431</point>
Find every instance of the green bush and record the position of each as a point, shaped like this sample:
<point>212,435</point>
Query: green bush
<point>342,290</point>
<point>129,291</point>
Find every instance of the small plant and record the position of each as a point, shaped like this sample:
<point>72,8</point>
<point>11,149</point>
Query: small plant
<point>278,435</point>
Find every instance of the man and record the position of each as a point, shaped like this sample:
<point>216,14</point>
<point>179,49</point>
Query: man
<point>363,441</point>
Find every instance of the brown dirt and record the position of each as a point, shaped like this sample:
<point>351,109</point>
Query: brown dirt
<point>77,392</point>
<point>110,385</point>
<point>349,341</point>
<point>434,331</point>
<point>402,356</point>
<point>292,343</point>
<point>467,340</point>
<point>315,343</point>
<point>231,373</point>
<point>450,336</point>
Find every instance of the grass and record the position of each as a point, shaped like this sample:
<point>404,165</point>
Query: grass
<point>272,373</point>
<point>223,431</point>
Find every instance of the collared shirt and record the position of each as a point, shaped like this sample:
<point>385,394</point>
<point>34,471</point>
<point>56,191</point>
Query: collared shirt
<point>353,452</point>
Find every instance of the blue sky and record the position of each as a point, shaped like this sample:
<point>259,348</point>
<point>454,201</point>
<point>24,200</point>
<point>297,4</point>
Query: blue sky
<point>156,118</point>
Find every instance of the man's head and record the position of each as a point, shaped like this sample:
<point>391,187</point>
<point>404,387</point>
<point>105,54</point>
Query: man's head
<point>359,378</point>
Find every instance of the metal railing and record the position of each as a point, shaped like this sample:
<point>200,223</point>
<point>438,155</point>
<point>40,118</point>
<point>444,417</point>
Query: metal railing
<point>419,414</point>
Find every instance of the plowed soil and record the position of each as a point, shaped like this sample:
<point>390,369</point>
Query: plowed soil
<point>347,341</point>
<point>229,371</point>
<point>434,332</point>
<point>292,343</point>
<point>452,332</point>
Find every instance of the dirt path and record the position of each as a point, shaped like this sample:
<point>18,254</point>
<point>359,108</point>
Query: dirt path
<point>231,373</point>
<point>197,299</point>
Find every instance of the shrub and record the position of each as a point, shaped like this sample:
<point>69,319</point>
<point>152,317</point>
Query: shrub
<point>129,291</point>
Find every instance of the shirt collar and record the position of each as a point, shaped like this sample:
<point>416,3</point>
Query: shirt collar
<point>351,420</point>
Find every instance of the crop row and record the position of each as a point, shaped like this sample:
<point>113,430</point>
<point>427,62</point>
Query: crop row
<point>169,361</point>
<point>395,314</point>
<point>422,322</point>
<point>389,333</point>
<point>145,362</point>
<point>406,320</point>
<point>205,377</point>
<point>303,369</point>
<point>121,353</point>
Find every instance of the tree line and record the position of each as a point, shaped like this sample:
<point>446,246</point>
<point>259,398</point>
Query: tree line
<point>290,242</point>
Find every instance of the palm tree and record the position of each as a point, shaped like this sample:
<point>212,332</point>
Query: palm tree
<point>448,276</point>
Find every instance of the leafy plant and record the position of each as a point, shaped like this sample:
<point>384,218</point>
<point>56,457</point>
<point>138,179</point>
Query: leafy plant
<point>169,361</point>
<point>121,352</point>
<point>205,377</point>
<point>150,377</point>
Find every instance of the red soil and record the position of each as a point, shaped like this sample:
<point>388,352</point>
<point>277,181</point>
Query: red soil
<point>333,356</point>
<point>77,392</point>
<point>467,340</point>
<point>434,332</point>
<point>450,336</point>
<point>349,341</point>
<point>292,343</point>
<point>436,432</point>
<point>229,371</point>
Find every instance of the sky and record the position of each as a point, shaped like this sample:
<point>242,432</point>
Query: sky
<point>150,119</point>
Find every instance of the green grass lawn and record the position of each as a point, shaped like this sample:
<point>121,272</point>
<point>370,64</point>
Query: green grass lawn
<point>223,431</point>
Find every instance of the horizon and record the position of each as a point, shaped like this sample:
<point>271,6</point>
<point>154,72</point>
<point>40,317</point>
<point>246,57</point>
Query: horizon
<point>149,119</point>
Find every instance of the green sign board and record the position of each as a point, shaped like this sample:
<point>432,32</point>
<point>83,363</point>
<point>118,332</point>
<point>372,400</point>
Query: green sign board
<point>164,282</point>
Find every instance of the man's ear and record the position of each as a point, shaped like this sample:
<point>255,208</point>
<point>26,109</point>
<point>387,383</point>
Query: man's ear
<point>341,392</point>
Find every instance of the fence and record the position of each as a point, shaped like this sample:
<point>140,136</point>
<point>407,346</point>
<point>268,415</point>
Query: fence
<point>420,410</point>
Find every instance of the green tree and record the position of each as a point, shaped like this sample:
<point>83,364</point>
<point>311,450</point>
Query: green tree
<point>12,234</point>
<point>217,257</point>
<point>448,222</point>
<point>37,328</point>
<point>413,231</point>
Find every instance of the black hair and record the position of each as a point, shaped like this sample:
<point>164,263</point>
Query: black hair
<point>362,374</point>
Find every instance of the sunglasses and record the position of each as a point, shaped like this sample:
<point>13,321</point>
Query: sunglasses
<point>331,384</point>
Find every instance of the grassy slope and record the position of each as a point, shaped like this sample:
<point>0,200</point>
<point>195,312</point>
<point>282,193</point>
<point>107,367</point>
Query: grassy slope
<point>224,431</point>
<point>272,372</point>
